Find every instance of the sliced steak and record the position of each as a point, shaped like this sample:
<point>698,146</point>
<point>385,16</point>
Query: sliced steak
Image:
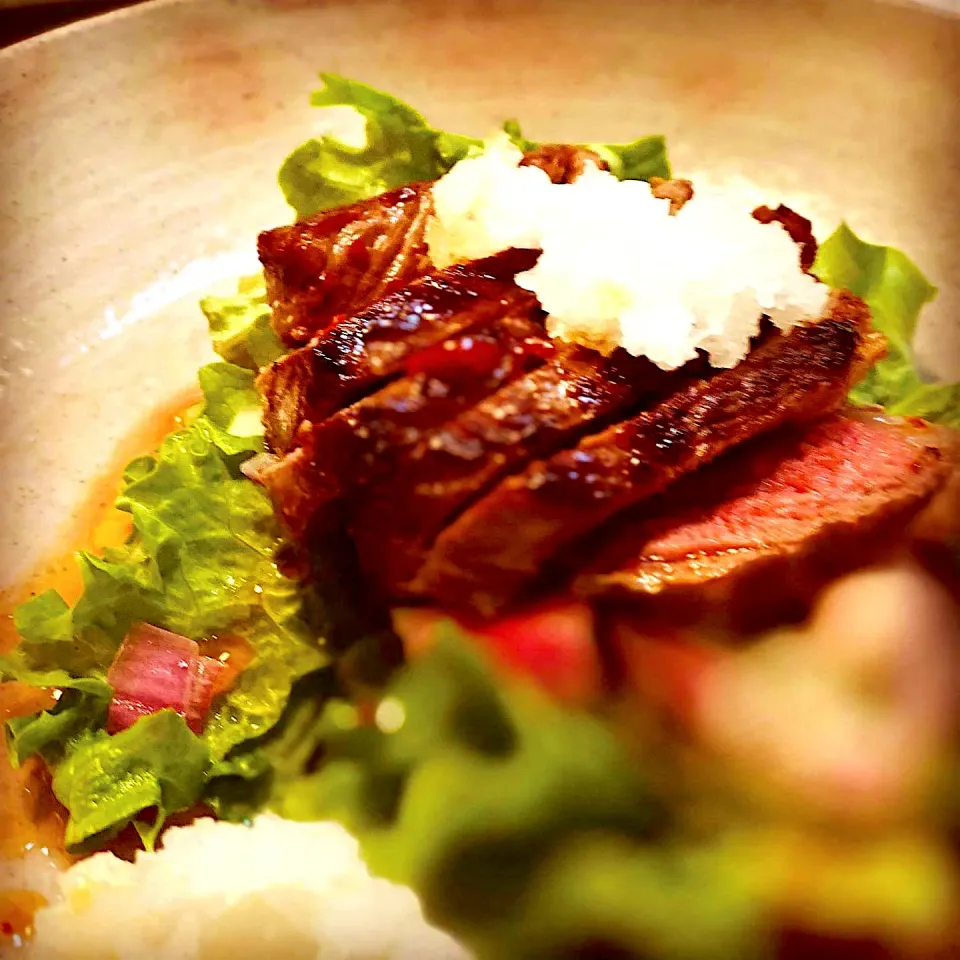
<point>367,438</point>
<point>340,261</point>
<point>496,548</point>
<point>397,519</point>
<point>356,355</point>
<point>767,524</point>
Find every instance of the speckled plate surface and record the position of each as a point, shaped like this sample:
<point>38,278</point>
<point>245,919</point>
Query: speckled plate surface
<point>140,151</point>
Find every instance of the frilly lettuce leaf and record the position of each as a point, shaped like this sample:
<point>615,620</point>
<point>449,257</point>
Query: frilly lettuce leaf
<point>244,781</point>
<point>201,562</point>
<point>106,782</point>
<point>895,290</point>
<point>81,707</point>
<point>232,408</point>
<point>401,148</point>
<point>240,326</point>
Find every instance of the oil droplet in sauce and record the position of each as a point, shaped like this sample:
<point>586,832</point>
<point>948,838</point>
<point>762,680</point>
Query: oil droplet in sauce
<point>29,812</point>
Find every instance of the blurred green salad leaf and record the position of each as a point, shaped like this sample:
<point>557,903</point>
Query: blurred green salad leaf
<point>401,148</point>
<point>530,831</point>
<point>895,290</point>
<point>497,805</point>
<point>628,899</point>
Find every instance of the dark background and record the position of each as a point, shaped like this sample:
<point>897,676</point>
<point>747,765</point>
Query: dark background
<point>22,22</point>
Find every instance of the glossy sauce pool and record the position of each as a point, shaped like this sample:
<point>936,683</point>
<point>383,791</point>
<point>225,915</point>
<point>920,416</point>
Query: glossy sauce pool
<point>29,813</point>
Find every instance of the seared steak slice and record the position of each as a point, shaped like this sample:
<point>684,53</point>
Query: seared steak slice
<point>397,519</point>
<point>340,261</point>
<point>356,355</point>
<point>365,439</point>
<point>500,544</point>
<point>768,524</point>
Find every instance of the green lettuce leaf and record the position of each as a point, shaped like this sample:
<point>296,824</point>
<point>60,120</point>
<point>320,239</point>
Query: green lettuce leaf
<point>243,782</point>
<point>45,618</point>
<point>457,763</point>
<point>677,901</point>
<point>200,562</point>
<point>367,655</point>
<point>107,782</point>
<point>401,148</point>
<point>232,408</point>
<point>895,290</point>
<point>240,325</point>
<point>638,160</point>
<point>81,708</point>
<point>495,804</point>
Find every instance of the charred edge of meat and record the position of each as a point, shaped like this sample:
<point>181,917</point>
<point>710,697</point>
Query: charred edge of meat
<point>678,192</point>
<point>577,392</point>
<point>495,548</point>
<point>283,388</point>
<point>340,261</point>
<point>749,541</point>
<point>366,439</point>
<point>798,228</point>
<point>359,354</point>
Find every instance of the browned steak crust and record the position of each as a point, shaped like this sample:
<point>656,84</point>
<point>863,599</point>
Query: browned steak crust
<point>766,525</point>
<point>358,354</point>
<point>396,521</point>
<point>369,438</point>
<point>488,555</point>
<point>340,261</point>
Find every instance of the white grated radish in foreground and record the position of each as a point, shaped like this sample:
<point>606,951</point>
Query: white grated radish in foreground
<point>616,268</point>
<point>223,891</point>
